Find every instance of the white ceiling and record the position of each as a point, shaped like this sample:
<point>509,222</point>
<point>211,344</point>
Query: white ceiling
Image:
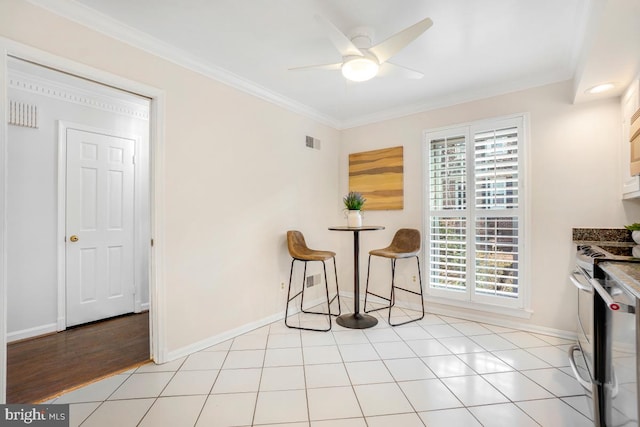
<point>475,48</point>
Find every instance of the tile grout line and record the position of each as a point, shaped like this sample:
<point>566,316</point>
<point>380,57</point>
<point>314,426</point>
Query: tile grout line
<point>304,375</point>
<point>353,389</point>
<point>105,400</point>
<point>160,393</point>
<point>204,404</point>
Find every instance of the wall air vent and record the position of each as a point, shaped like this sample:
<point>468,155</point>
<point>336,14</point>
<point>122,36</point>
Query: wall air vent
<point>312,142</point>
<point>316,279</point>
<point>21,114</point>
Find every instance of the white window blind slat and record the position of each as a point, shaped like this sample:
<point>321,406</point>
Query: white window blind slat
<point>448,173</point>
<point>486,201</point>
<point>448,252</point>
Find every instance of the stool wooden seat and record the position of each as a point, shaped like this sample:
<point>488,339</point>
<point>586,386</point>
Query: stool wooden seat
<point>299,251</point>
<point>405,244</point>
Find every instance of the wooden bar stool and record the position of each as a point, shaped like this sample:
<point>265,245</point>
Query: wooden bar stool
<point>300,252</point>
<point>405,244</point>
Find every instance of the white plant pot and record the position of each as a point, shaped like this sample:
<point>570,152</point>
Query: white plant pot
<point>354,219</point>
<point>635,235</point>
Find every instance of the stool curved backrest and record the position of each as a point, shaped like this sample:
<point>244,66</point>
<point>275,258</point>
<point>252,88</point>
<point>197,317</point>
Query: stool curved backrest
<point>296,244</point>
<point>405,244</point>
<point>299,250</point>
<point>406,241</point>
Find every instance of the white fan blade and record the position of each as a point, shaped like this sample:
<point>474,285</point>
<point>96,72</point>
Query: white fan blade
<point>394,44</point>
<point>337,37</point>
<point>388,69</point>
<point>333,67</point>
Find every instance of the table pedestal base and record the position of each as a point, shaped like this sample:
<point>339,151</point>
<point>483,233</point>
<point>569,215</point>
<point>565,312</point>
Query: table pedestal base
<point>356,321</point>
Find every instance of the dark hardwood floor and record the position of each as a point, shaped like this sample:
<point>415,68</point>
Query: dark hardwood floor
<point>43,367</point>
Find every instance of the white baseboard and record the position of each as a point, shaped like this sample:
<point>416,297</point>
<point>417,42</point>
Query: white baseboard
<point>31,332</point>
<point>145,306</point>
<point>452,311</point>
<point>484,317</point>
<point>217,339</point>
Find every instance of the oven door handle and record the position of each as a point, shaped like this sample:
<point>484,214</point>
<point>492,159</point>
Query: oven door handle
<point>608,299</point>
<point>606,296</point>
<point>585,384</point>
<point>625,308</point>
<point>577,283</point>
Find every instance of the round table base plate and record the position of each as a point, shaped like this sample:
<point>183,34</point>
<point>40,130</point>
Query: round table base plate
<point>356,321</point>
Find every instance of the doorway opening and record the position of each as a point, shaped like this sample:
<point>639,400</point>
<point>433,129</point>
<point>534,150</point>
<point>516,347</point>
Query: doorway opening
<point>147,273</point>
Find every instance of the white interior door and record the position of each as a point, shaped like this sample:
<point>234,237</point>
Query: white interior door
<point>99,226</point>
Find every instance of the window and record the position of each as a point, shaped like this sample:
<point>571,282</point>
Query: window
<point>475,212</point>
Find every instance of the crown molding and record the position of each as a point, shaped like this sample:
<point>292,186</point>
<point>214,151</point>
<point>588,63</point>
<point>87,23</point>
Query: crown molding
<point>34,84</point>
<point>97,21</point>
<point>460,98</point>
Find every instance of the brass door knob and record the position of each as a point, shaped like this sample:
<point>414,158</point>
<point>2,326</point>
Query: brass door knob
<point>73,238</point>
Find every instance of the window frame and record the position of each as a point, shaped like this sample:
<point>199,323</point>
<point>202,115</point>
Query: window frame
<point>469,298</point>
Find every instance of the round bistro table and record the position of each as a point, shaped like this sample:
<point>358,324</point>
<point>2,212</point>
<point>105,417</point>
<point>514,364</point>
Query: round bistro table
<point>356,320</point>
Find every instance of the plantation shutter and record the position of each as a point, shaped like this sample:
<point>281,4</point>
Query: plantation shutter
<point>496,204</point>
<point>448,222</point>
<point>475,211</point>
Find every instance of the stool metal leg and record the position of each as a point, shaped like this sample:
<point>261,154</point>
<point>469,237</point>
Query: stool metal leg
<point>304,275</point>
<point>301,294</point>
<point>392,295</point>
<point>367,292</point>
<point>394,287</point>
<point>286,313</point>
<point>329,301</point>
<point>335,271</point>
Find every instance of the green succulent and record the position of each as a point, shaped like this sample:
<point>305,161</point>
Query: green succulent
<point>354,201</point>
<point>633,227</point>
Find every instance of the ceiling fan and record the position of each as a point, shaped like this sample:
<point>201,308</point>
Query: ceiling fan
<point>360,60</point>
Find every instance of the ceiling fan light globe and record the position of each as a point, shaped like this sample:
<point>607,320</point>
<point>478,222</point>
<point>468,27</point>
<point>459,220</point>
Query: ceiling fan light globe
<point>360,69</point>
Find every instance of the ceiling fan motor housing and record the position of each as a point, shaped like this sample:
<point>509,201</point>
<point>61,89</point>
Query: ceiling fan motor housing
<point>361,37</point>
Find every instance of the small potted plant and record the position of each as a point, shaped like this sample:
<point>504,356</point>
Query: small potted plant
<point>353,203</point>
<point>635,231</point>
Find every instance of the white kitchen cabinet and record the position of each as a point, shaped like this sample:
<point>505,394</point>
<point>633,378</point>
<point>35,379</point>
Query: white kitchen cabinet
<point>630,104</point>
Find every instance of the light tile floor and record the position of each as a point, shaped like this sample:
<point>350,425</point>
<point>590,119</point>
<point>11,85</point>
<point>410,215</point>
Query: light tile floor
<point>440,371</point>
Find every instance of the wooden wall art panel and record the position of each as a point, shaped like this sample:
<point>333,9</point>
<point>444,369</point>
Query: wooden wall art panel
<point>379,176</point>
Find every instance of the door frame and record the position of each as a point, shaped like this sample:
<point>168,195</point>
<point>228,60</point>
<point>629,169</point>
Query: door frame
<point>157,299</point>
<point>141,186</point>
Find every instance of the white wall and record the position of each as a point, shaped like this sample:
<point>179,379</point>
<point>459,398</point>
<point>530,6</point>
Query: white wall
<point>237,176</point>
<point>32,200</point>
<point>574,170</point>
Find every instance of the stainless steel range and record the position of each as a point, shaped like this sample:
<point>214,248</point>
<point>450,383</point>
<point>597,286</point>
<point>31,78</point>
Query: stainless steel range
<point>604,359</point>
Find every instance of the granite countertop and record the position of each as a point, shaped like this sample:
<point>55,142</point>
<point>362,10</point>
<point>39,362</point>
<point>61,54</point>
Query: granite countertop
<point>610,235</point>
<point>626,274</point>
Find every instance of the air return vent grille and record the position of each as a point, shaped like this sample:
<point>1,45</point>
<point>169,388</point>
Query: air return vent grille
<point>22,114</point>
<point>312,142</point>
<point>313,280</point>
